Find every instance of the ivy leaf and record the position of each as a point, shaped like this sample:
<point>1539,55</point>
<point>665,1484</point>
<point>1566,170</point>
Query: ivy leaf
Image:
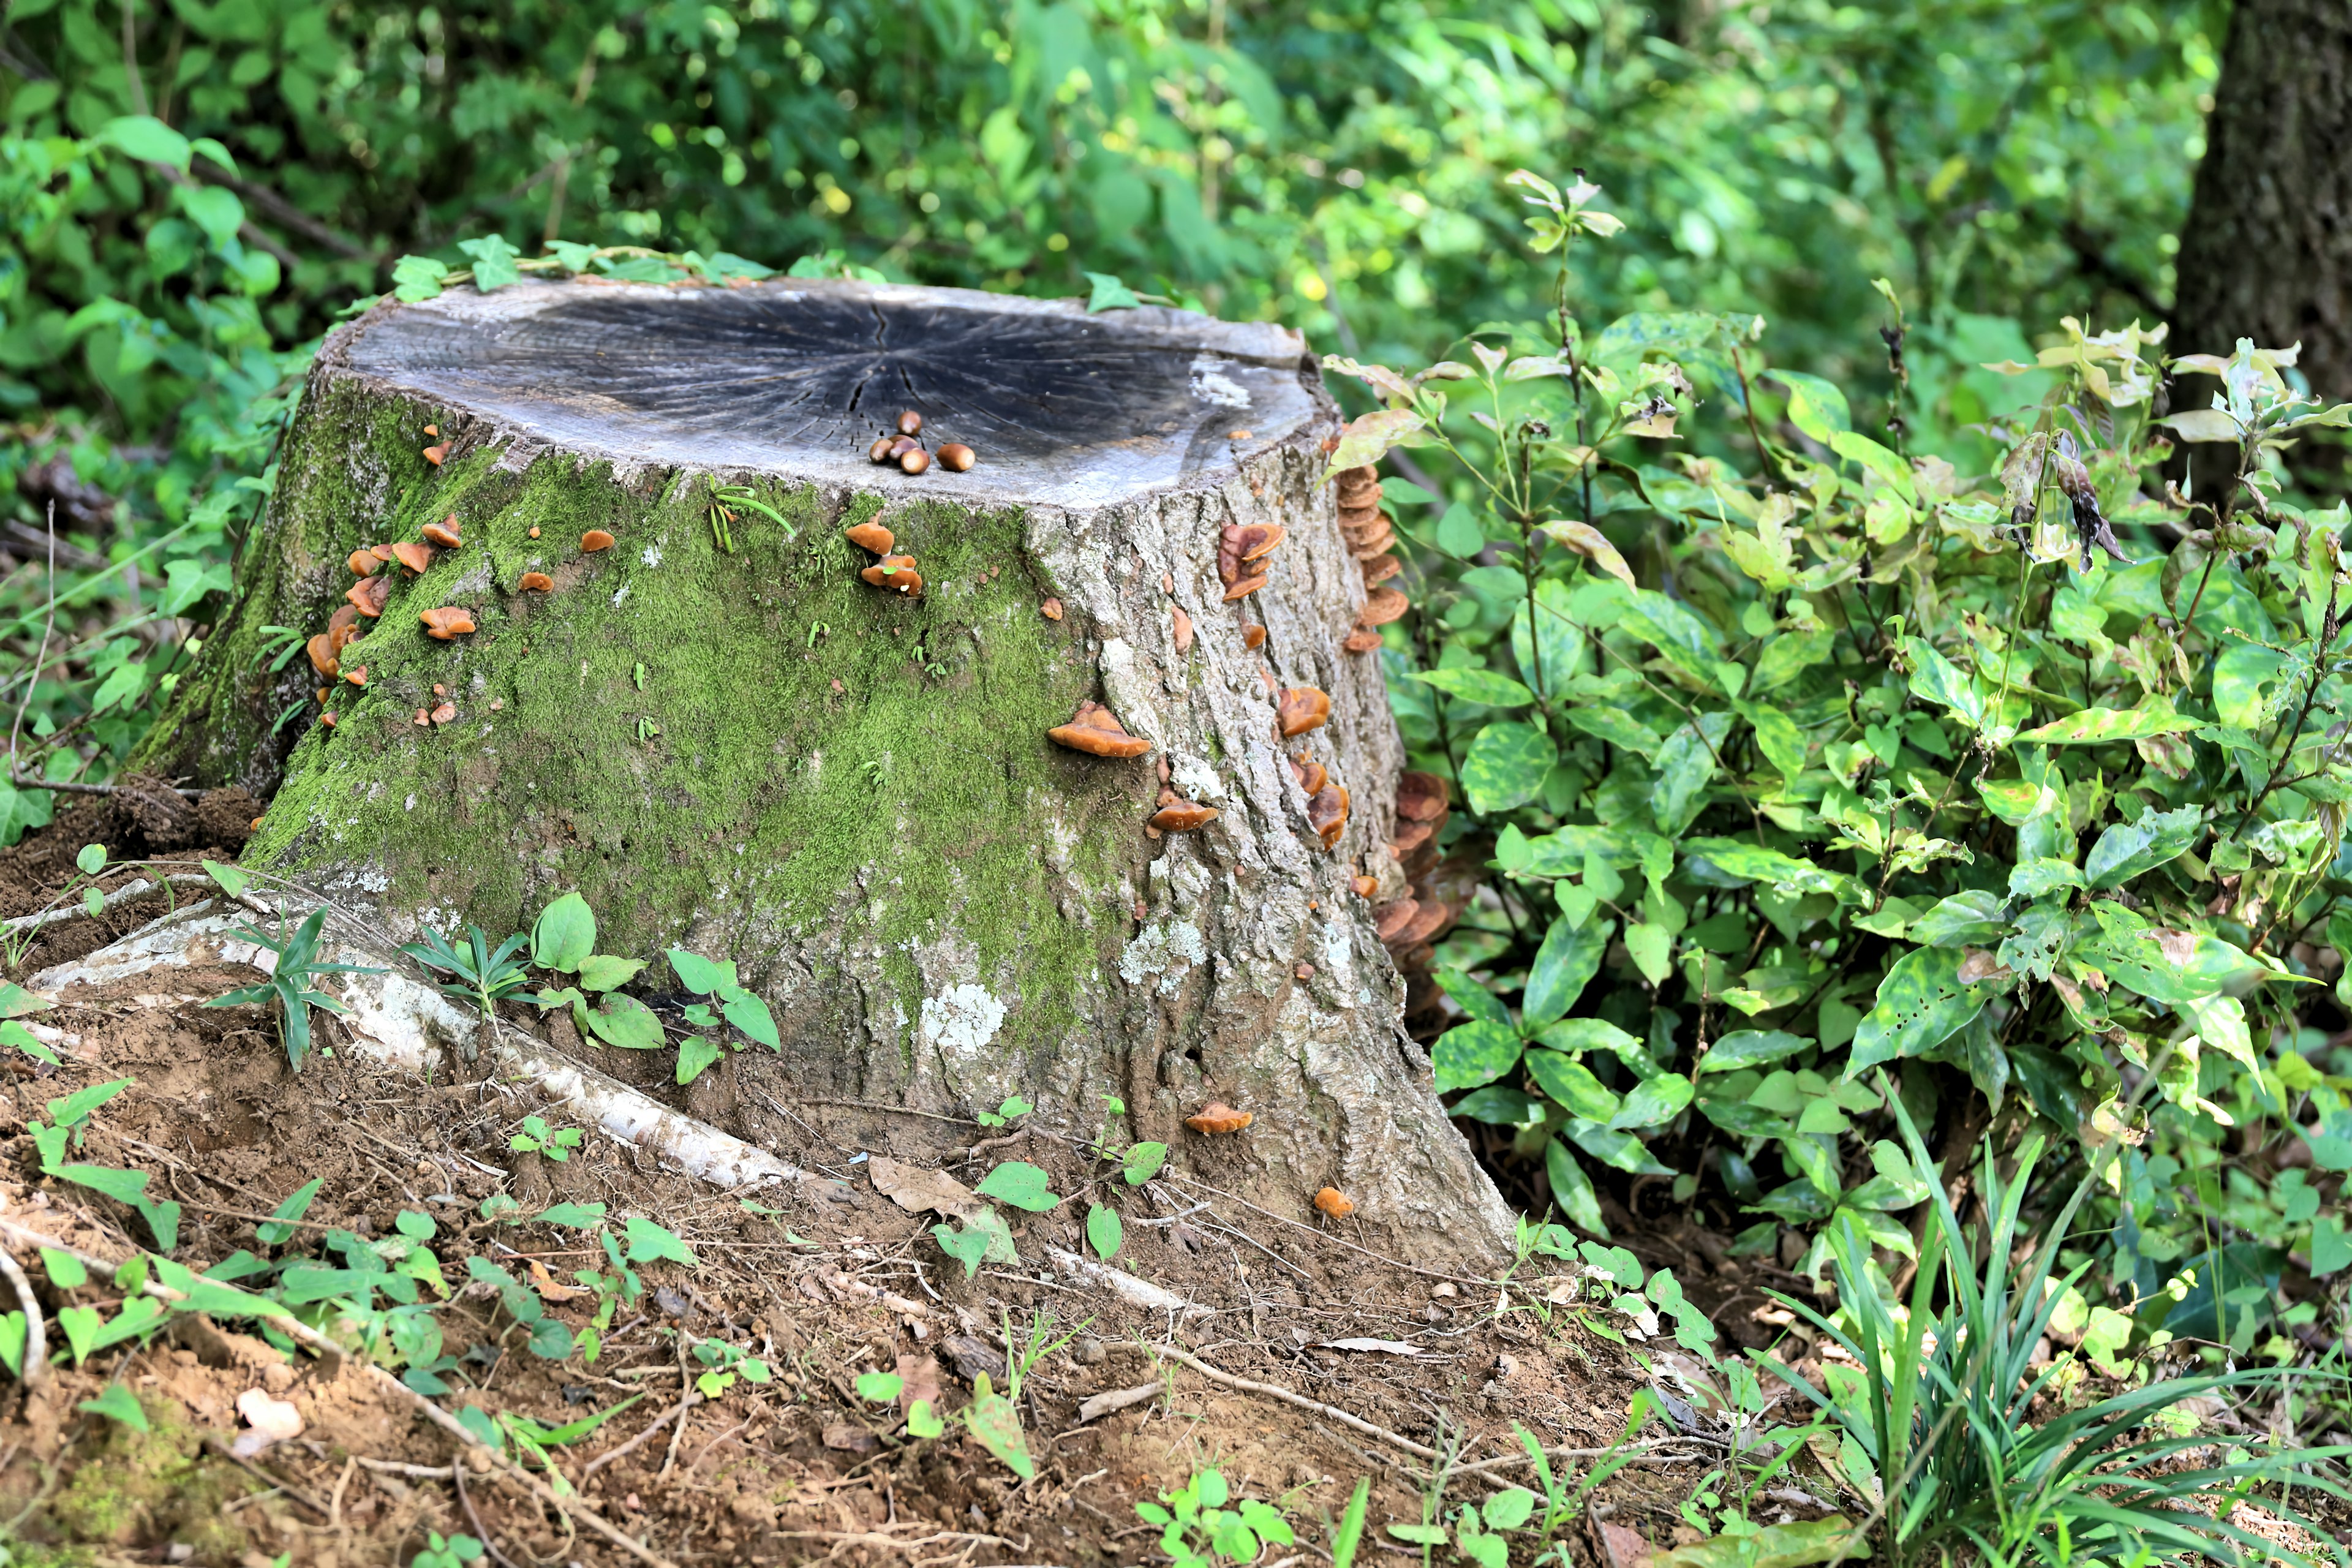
<point>1921,1003</point>
<point>1020,1184</point>
<point>1109,294</point>
<point>494,261</point>
<point>1564,965</point>
<point>1571,1086</point>
<point>1104,1231</point>
<point>417,277</point>
<point>1471,1054</point>
<point>1506,766</point>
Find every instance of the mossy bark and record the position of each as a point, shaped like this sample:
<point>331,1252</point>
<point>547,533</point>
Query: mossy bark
<point>849,792</point>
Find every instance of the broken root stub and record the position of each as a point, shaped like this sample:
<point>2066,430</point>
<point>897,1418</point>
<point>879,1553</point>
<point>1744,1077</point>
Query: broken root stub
<point>870,536</point>
<point>535,582</point>
<point>1096,731</point>
<point>1182,816</point>
<point>1301,709</point>
<point>1328,814</point>
<point>1218,1117</point>
<point>446,623</point>
<point>1333,1202</point>
<point>593,541</point>
<point>367,596</point>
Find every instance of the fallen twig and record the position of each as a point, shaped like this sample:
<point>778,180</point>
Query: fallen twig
<point>639,1441</point>
<point>466,1502</point>
<point>1275,1391</point>
<point>37,1341</point>
<point>122,895</point>
<point>570,1506</point>
<point>249,1467</point>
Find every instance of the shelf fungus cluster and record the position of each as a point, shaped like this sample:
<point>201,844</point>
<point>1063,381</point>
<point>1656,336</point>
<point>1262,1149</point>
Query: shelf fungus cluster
<point>1242,551</point>
<point>1095,731</point>
<point>1369,539</point>
<point>905,449</point>
<point>373,566</point>
<point>1326,802</point>
<point>893,572</point>
<point>1408,926</point>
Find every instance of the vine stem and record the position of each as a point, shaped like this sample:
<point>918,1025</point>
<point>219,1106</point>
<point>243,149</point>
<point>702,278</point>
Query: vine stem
<point>48,625</point>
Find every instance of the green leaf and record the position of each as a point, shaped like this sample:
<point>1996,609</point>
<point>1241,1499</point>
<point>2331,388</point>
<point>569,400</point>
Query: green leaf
<point>417,277</point>
<point>1921,1003</point>
<point>996,1422</point>
<point>149,140</point>
<point>2331,1249</point>
<point>494,261</point>
<point>232,880</point>
<point>64,1270</point>
<point>1472,684</point>
<point>90,859</point>
<point>1471,1054</point>
<point>117,1402</point>
<point>1566,963</point>
<point>601,972</point>
<point>1505,766</point>
<point>1612,1147</point>
<point>1509,1509</point>
<point>1652,947</point>
<point>625,1021</point>
<point>1651,1102</point>
<point>695,1054</point>
<point>880,1387</point>
<point>2126,850</point>
<point>968,1246</point>
<point>73,1109</point>
<point>1815,407</point>
<point>1935,679</point>
<point>649,1243</point>
<point>1685,762</point>
<point>1020,1184</point>
<point>13,1033</point>
<point>701,975</point>
<point>1498,1107</point>
<point>1475,999</point>
<point>1571,1189</point>
<point>1617,727</point>
<point>2099,726</point>
<point>296,1204</point>
<point>1963,918</point>
<point>1750,1048</point>
<point>1142,1162</point>
<point>750,1014</point>
<point>1104,1231</point>
<point>1109,294</point>
<point>565,935</point>
<point>573,1216</point>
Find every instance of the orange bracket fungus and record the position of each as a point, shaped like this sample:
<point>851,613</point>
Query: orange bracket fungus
<point>436,453</point>
<point>1218,1117</point>
<point>447,622</point>
<point>322,649</point>
<point>1246,586</point>
<point>1253,636</point>
<point>1096,731</point>
<point>1422,797</point>
<point>415,557</point>
<point>356,674</point>
<point>1428,917</point>
<point>367,596</point>
<point>1382,605</point>
<point>1311,774</point>
<point>1363,639</point>
<point>1333,1202</point>
<point>328,720</point>
<point>1380,569</point>
<point>894,572</point>
<point>1182,626</point>
<point>593,541</point>
<point>1051,609</point>
<point>1327,812</point>
<point>363,563</point>
<point>870,536</point>
<point>444,534</point>
<point>423,720</point>
<point>537,582</point>
<point>1301,709</point>
<point>957,458</point>
<point>1367,886</point>
<point>1182,816</point>
<point>1393,918</point>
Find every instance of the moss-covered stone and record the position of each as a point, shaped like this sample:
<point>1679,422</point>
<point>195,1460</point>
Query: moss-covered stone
<point>138,1489</point>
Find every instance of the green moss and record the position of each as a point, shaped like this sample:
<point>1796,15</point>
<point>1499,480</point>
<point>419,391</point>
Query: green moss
<point>136,1487</point>
<point>759,743</point>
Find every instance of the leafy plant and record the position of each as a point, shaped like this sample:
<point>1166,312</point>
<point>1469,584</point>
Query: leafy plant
<point>537,1137</point>
<point>447,1552</point>
<point>1940,1407</point>
<point>1013,1106</point>
<point>726,1363</point>
<point>1199,1531</point>
<point>291,980</point>
<point>484,977</point>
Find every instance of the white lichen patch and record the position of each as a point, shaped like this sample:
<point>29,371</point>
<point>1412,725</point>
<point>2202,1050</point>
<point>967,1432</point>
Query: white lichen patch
<point>1194,778</point>
<point>954,1031</point>
<point>651,555</point>
<point>1168,950</point>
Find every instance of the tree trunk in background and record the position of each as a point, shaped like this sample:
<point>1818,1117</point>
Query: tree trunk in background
<point>846,789</point>
<point>2267,250</point>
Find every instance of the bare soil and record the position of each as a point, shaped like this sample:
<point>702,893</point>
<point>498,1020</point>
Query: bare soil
<point>824,1279</point>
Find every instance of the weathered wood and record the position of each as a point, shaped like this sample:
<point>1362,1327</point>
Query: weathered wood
<point>846,789</point>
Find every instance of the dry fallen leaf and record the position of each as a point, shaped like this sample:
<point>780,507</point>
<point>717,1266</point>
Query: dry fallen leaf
<point>850,1440</point>
<point>550,1288</point>
<point>920,1191</point>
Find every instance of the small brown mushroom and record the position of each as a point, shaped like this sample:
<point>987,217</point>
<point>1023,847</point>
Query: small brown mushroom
<point>1395,917</point>
<point>910,423</point>
<point>1096,731</point>
<point>1218,1117</point>
<point>356,674</point>
<point>423,720</point>
<point>1367,886</point>
<point>1182,629</point>
<point>1051,609</point>
<point>1312,774</point>
<point>444,534</point>
<point>534,530</point>
<point>328,720</point>
<point>593,541</point>
<point>1327,812</point>
<point>1334,1203</point>
<point>1253,636</point>
<point>344,617</point>
<point>414,556</point>
<point>1182,816</point>
<point>337,636</point>
<point>956,456</point>
<point>446,623</point>
<point>870,536</point>
<point>367,596</point>
<point>535,582</point>
<point>1300,708</point>
<point>436,453</point>
<point>322,649</point>
<point>443,714</point>
<point>894,572</point>
<point>1246,586</point>
<point>914,460</point>
<point>1423,797</point>
<point>363,563</point>
<point>1380,568</point>
<point>1382,605</point>
<point>1363,639</point>
<point>433,430</point>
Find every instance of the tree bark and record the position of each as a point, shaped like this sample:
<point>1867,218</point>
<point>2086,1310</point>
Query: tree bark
<point>2267,250</point>
<point>848,790</point>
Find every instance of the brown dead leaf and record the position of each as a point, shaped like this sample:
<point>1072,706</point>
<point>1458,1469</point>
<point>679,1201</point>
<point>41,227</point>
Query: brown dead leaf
<point>918,1378</point>
<point>920,1191</point>
<point>550,1288</point>
<point>2179,946</point>
<point>1620,1547</point>
<point>850,1440</point>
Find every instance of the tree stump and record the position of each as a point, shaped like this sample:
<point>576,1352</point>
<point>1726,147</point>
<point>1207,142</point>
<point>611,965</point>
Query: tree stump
<point>765,741</point>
